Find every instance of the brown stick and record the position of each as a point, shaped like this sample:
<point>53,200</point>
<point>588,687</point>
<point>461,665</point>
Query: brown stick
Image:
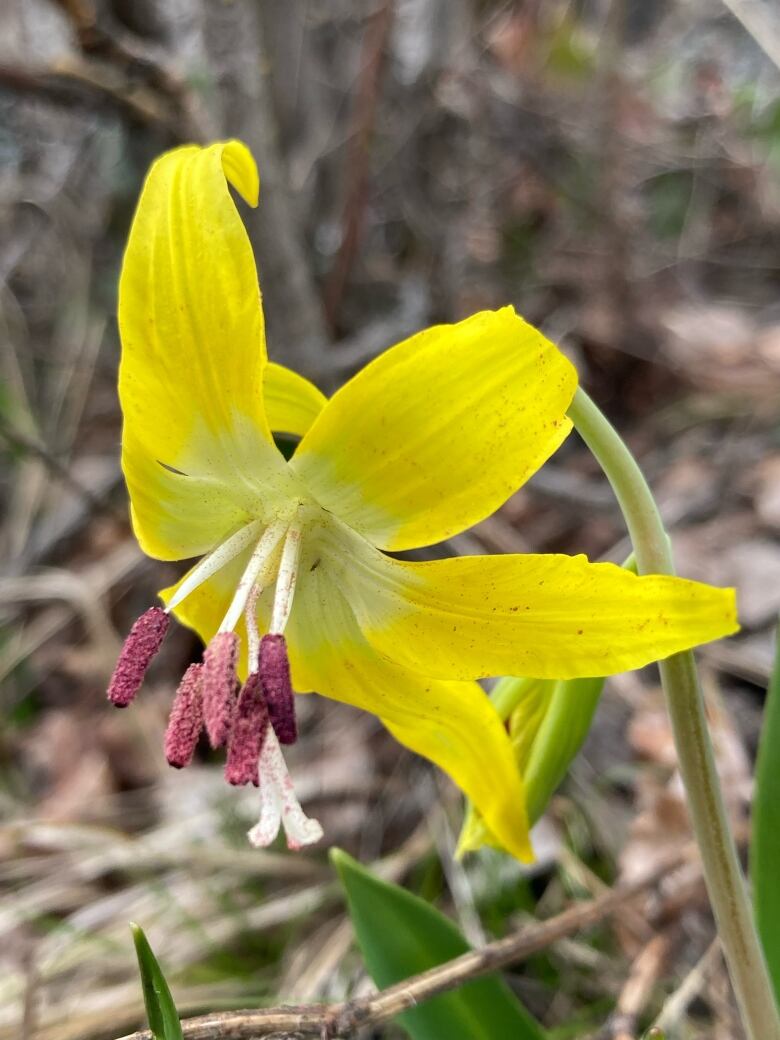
<point>78,85</point>
<point>358,158</point>
<point>341,1020</point>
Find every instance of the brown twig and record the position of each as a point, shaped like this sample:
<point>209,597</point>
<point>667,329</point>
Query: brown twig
<point>76,84</point>
<point>639,986</point>
<point>343,1020</point>
<point>100,40</point>
<point>358,157</point>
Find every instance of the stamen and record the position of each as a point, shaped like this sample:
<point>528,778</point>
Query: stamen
<point>215,561</point>
<point>277,687</point>
<point>258,561</point>
<point>285,581</point>
<point>246,738</point>
<point>278,804</point>
<point>218,685</point>
<point>186,719</point>
<point>141,645</point>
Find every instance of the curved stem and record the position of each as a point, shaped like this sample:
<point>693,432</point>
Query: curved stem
<point>722,871</point>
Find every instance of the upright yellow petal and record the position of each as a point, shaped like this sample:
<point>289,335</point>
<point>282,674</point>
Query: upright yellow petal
<point>453,724</point>
<point>546,616</point>
<point>292,403</point>
<point>193,352</point>
<point>439,431</point>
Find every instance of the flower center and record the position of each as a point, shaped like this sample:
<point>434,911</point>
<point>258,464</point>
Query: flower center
<point>256,718</point>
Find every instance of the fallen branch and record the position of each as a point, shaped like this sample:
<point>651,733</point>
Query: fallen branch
<point>343,1020</point>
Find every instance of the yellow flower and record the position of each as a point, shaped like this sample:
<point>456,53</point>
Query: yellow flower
<point>431,437</point>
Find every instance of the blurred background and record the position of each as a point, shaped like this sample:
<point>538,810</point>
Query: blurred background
<point>610,167</point>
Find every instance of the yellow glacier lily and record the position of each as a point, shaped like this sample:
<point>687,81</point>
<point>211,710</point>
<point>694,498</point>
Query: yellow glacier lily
<point>294,587</point>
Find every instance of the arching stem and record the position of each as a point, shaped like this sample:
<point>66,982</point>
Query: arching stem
<point>722,871</point>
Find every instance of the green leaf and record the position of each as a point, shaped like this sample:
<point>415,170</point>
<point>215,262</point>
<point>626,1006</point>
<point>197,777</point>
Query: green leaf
<point>160,1008</point>
<point>765,844</point>
<point>401,935</point>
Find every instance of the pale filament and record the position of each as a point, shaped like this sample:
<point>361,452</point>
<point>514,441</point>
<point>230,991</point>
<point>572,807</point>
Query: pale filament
<point>258,564</point>
<point>283,597</point>
<point>215,561</point>
<point>286,581</point>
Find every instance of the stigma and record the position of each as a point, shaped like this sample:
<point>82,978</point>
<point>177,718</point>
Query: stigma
<point>252,720</point>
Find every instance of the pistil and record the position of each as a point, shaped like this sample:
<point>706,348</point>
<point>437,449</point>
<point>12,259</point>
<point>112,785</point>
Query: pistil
<point>278,804</point>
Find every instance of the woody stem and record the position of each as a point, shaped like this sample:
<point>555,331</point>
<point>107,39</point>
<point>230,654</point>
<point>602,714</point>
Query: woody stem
<point>685,704</point>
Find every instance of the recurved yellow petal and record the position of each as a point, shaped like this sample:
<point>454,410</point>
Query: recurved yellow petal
<point>547,616</point>
<point>292,403</point>
<point>451,723</point>
<point>193,351</point>
<point>439,431</point>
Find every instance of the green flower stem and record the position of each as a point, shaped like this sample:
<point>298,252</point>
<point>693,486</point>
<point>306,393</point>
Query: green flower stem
<point>561,735</point>
<point>508,692</point>
<point>722,871</point>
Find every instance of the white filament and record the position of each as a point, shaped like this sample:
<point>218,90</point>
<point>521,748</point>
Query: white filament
<point>278,804</point>
<point>285,581</point>
<point>215,561</point>
<point>258,564</point>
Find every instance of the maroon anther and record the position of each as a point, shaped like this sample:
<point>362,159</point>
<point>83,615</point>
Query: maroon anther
<point>250,725</point>
<point>275,674</point>
<point>186,719</point>
<point>218,686</point>
<point>141,645</point>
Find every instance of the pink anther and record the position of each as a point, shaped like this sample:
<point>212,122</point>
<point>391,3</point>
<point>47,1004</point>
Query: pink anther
<point>250,726</point>
<point>218,686</point>
<point>186,719</point>
<point>141,645</point>
<point>277,687</point>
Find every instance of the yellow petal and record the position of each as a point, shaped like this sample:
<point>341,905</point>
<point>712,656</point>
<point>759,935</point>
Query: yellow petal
<point>524,725</point>
<point>176,516</point>
<point>453,724</point>
<point>440,430</point>
<point>193,353</point>
<point>474,834</point>
<point>546,617</point>
<point>292,403</point>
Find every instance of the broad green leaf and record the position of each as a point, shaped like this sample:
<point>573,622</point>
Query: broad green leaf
<point>160,1008</point>
<point>765,844</point>
<point>401,935</point>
